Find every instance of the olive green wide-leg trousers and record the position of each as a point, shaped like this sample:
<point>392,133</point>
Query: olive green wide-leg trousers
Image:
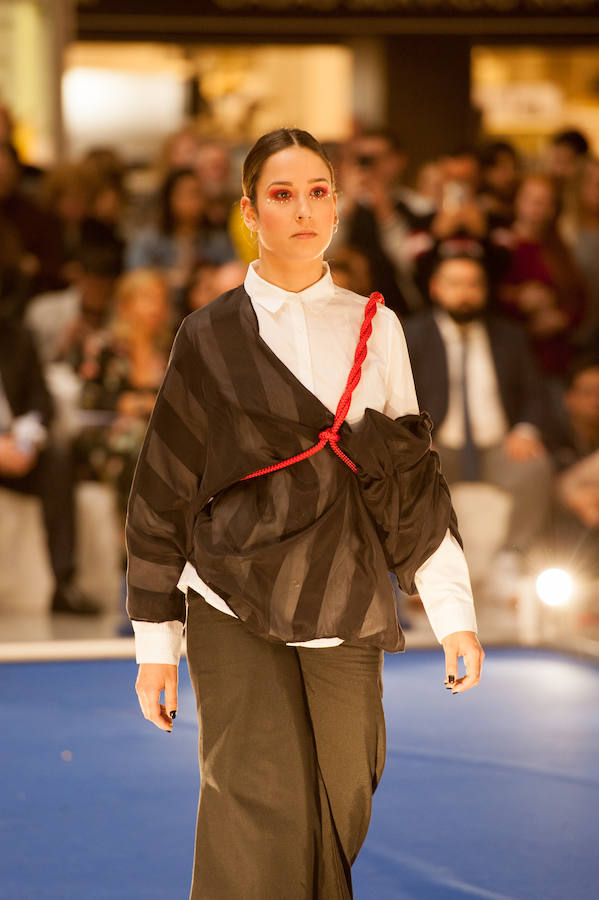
<point>291,747</point>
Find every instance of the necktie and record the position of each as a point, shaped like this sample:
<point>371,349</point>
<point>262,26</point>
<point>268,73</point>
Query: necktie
<point>470,459</point>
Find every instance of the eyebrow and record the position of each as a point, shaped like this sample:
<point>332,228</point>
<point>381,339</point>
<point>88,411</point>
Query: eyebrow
<point>290,183</point>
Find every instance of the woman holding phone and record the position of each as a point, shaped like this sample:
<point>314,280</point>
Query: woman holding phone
<point>286,470</point>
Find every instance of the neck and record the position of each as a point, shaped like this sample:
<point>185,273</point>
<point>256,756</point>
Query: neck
<point>290,276</point>
<point>528,231</point>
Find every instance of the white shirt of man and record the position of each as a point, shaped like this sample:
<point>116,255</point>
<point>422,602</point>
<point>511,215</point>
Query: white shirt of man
<point>487,417</point>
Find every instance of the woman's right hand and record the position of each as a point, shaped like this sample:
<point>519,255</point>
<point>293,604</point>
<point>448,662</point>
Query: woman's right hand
<point>152,678</point>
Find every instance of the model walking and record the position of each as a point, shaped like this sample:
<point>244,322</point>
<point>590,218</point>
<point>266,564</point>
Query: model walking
<point>284,567</point>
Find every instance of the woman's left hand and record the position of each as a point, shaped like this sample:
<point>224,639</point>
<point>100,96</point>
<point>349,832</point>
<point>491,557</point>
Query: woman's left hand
<point>466,645</point>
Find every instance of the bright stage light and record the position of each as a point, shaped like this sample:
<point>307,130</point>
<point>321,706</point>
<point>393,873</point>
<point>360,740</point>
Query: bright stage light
<point>554,587</point>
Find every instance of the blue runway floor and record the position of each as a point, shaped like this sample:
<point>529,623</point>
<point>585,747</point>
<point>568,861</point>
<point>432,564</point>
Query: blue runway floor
<point>492,794</point>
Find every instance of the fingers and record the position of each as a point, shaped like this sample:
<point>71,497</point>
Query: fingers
<point>152,709</point>
<point>466,645</point>
<point>473,660</point>
<point>451,668</point>
<point>170,693</point>
<point>151,680</point>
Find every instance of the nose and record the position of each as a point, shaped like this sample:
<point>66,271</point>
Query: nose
<point>303,208</point>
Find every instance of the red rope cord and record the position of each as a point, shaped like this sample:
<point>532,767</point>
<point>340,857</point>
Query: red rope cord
<point>331,435</point>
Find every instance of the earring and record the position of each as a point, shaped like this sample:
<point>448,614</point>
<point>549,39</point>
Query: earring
<point>335,227</point>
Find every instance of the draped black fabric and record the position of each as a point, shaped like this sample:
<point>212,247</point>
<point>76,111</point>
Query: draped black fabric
<point>298,554</point>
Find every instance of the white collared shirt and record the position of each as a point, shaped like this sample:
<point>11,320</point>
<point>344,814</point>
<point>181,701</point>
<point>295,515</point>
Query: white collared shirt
<point>487,417</point>
<point>314,333</point>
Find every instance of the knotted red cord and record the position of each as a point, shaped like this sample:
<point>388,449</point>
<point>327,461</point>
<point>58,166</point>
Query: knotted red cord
<point>331,435</point>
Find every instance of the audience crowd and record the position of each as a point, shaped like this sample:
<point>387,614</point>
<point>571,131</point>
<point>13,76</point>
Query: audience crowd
<point>490,261</point>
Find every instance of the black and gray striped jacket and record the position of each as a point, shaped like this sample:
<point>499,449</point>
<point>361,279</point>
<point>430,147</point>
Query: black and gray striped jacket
<point>299,554</point>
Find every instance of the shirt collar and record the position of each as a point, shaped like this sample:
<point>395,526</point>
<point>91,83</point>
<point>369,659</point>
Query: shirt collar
<point>272,297</point>
<point>449,328</point>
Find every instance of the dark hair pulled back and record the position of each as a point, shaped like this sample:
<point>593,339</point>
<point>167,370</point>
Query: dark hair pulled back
<point>271,143</point>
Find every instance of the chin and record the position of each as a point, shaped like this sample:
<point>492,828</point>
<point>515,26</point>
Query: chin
<point>304,253</point>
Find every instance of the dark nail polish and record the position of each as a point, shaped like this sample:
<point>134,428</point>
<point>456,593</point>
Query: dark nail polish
<point>451,678</point>
<point>173,713</point>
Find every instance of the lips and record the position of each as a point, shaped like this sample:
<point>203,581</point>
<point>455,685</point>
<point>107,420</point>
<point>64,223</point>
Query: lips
<point>304,234</point>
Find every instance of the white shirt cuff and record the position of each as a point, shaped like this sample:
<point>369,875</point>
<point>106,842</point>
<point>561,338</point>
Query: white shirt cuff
<point>443,583</point>
<point>158,642</point>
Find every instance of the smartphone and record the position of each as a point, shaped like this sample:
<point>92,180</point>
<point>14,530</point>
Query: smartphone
<point>455,195</point>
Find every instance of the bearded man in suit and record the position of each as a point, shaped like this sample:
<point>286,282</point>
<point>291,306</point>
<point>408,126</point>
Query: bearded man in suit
<point>475,376</point>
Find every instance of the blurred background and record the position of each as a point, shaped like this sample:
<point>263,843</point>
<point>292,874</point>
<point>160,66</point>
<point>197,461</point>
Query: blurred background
<point>465,137</point>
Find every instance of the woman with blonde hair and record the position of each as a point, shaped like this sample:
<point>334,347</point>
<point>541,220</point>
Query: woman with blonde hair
<point>121,369</point>
<point>271,522</point>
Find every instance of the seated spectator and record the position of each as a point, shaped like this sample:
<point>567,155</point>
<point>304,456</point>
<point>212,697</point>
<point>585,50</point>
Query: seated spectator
<point>566,154</point>
<point>543,288</point>
<point>229,275</point>
<point>460,214</point>
<point>66,193</point>
<point>182,236</point>
<point>429,183</point>
<point>584,242</point>
<point>15,281</point>
<point>462,218</point>
<point>213,166</point>
<point>121,370</point>
<point>475,376</point>
<point>25,404</point>
<point>208,281</point>
<point>30,464</point>
<point>58,318</point>
<point>377,213</point>
<point>578,436</point>
<point>179,150</point>
<point>109,196</point>
<point>59,321</point>
<point>574,533</point>
<point>500,173</point>
<point>350,269</point>
<point>35,229</point>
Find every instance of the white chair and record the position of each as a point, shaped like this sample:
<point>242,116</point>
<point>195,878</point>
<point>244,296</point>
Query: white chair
<point>483,513</point>
<point>26,579</point>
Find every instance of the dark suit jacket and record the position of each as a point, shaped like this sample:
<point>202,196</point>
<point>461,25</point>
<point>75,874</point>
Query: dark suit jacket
<point>21,371</point>
<point>520,386</point>
<point>25,388</point>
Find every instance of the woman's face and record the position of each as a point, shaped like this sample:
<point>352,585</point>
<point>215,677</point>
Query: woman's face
<point>295,208</point>
<point>535,203</point>
<point>186,199</point>
<point>147,308</point>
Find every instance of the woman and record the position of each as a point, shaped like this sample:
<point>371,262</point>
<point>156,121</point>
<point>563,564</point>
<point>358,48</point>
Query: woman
<point>289,698</point>
<point>209,280</point>
<point>584,241</point>
<point>121,369</point>
<point>182,236</point>
<point>543,287</point>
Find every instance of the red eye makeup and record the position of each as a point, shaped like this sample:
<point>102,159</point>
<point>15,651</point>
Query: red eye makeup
<point>279,195</point>
<point>284,195</point>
